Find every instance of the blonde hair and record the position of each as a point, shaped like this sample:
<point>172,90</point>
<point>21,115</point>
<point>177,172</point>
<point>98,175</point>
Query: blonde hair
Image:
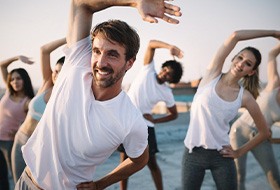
<point>252,83</point>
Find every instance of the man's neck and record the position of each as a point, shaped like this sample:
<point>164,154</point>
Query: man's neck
<point>103,94</point>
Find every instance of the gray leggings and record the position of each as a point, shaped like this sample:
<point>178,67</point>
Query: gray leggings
<point>196,163</point>
<point>241,134</point>
<point>18,163</point>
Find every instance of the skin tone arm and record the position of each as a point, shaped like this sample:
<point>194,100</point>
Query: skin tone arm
<point>155,44</point>
<point>173,114</point>
<point>45,52</point>
<point>272,73</point>
<point>80,21</point>
<point>149,55</point>
<point>273,76</point>
<point>81,13</point>
<point>216,65</point>
<point>122,171</point>
<point>251,105</point>
<point>263,133</point>
<point>4,64</point>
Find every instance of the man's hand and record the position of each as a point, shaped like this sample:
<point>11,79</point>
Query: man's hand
<point>175,51</point>
<point>150,10</point>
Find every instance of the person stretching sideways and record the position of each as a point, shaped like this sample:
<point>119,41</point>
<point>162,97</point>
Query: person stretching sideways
<point>216,102</point>
<point>88,115</point>
<point>149,88</point>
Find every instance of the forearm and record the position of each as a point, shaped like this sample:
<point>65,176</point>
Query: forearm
<point>81,14</point>
<point>49,47</point>
<point>4,66</point>
<point>98,5</point>
<point>154,44</point>
<point>251,34</point>
<point>242,35</point>
<point>166,118</point>
<point>7,62</point>
<point>272,71</point>
<point>259,138</point>
<point>274,52</point>
<point>123,171</point>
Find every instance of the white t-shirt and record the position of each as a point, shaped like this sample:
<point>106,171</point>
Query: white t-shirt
<point>209,118</point>
<point>145,92</point>
<point>76,132</point>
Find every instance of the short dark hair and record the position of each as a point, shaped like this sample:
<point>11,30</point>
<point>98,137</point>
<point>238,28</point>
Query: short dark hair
<point>121,32</point>
<point>177,70</point>
<point>27,84</point>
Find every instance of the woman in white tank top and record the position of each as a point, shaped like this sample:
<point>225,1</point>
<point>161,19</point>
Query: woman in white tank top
<point>216,103</point>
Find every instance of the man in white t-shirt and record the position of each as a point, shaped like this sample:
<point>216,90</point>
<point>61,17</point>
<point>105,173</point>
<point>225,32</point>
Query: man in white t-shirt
<point>149,88</point>
<point>88,115</point>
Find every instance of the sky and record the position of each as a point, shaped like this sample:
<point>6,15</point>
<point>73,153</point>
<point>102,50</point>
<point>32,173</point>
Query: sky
<point>204,25</point>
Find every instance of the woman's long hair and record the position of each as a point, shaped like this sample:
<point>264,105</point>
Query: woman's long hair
<point>27,84</point>
<point>252,82</point>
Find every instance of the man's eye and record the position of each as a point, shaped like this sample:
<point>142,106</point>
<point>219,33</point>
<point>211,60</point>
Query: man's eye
<point>239,57</point>
<point>113,55</point>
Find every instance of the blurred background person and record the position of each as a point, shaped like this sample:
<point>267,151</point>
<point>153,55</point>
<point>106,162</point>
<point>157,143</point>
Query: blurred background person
<point>244,128</point>
<point>13,109</point>
<point>37,105</point>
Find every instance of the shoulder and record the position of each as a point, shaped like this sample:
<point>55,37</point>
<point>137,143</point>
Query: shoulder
<point>247,99</point>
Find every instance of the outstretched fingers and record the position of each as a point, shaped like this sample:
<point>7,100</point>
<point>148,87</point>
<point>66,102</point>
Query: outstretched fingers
<point>152,10</point>
<point>150,19</point>
<point>171,10</point>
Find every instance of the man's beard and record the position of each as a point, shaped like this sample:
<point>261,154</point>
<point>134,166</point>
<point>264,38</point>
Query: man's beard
<point>110,81</point>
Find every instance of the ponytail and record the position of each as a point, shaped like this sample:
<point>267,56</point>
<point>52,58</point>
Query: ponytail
<point>252,83</point>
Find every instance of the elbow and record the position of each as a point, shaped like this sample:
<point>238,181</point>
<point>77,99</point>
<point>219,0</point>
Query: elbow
<point>235,35</point>
<point>173,113</point>
<point>174,116</point>
<point>44,49</point>
<point>266,133</point>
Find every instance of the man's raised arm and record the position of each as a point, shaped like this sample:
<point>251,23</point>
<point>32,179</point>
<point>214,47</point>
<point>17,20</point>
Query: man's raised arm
<point>81,13</point>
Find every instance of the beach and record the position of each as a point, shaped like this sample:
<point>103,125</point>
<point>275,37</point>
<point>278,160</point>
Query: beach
<point>170,137</point>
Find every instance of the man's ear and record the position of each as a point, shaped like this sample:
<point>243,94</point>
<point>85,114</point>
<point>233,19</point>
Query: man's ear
<point>129,63</point>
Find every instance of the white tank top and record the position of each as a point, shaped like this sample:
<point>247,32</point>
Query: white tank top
<point>210,117</point>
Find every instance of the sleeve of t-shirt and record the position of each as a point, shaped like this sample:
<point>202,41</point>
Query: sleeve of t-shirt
<point>79,54</point>
<point>150,67</point>
<point>169,98</point>
<point>137,140</point>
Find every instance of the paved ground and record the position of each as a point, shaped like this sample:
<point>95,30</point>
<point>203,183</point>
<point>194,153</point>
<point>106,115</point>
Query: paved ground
<point>170,142</point>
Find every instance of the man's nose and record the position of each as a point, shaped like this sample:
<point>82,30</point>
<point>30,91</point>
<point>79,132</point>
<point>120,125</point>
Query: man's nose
<point>102,61</point>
